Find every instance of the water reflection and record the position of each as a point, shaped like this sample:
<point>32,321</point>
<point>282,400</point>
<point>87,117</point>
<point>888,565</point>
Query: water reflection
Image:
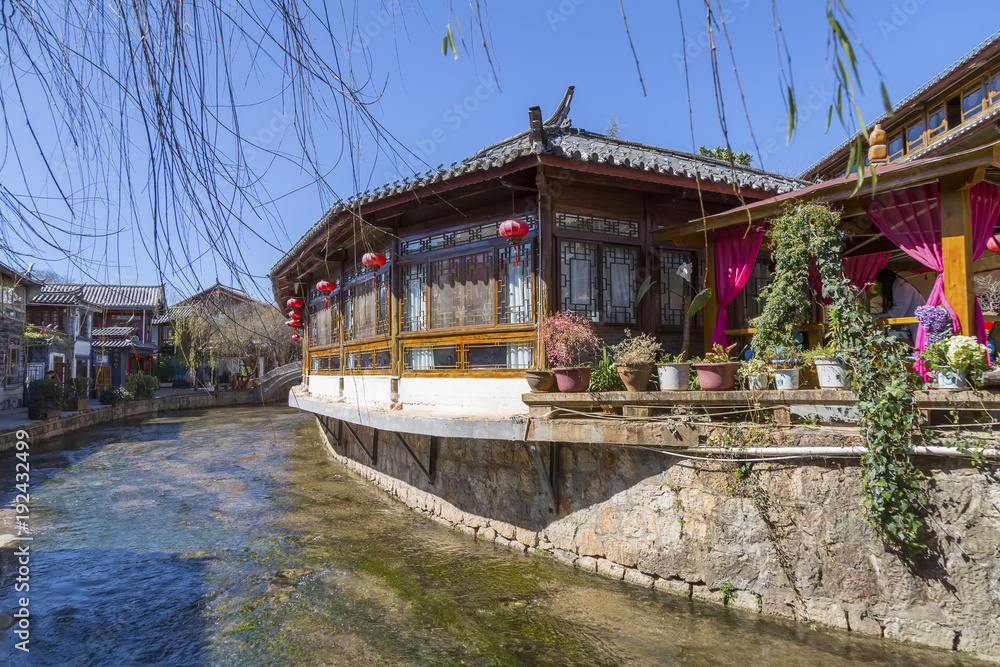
<point>229,537</point>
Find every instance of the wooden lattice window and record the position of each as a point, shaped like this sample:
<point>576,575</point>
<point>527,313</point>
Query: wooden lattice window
<point>937,122</point>
<point>914,137</point>
<point>895,147</point>
<point>972,103</point>
<point>366,307</point>
<point>467,354</point>
<point>672,286</point>
<point>598,280</point>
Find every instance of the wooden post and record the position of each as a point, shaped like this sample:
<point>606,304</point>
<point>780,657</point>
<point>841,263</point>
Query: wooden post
<point>712,307</point>
<point>395,294</point>
<point>545,277</point>
<point>956,249</point>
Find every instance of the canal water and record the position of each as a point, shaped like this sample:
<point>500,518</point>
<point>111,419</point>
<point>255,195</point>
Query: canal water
<point>229,537</point>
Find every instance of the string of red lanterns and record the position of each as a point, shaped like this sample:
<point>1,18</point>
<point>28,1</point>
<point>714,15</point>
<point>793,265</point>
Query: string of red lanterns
<point>373,260</point>
<point>325,287</point>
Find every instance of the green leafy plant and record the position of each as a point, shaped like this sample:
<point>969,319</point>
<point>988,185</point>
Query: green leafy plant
<point>638,350</point>
<point>822,352</point>
<point>80,385</point>
<point>604,376</point>
<point>667,358</point>
<point>718,354</point>
<point>881,376</point>
<point>47,396</point>
<point>114,396</point>
<point>140,385</point>
<point>728,591</point>
<point>727,155</point>
<point>787,357</point>
<point>751,368</point>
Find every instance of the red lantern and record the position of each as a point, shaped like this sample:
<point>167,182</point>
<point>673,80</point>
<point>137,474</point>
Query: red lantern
<point>296,337</point>
<point>994,243</point>
<point>294,303</point>
<point>326,286</point>
<point>296,324</point>
<point>373,260</point>
<point>514,229</point>
<point>295,314</point>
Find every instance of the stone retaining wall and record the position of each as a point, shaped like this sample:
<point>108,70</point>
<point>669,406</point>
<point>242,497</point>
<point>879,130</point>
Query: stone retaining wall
<point>42,430</point>
<point>784,538</point>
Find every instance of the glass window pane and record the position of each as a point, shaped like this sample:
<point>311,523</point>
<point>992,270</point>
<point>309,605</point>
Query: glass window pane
<point>972,103</point>
<point>936,123</point>
<point>462,291</point>
<point>914,136</point>
<point>578,278</point>
<point>619,284</point>
<point>994,88</point>
<point>503,355</point>
<point>515,302</point>
<point>896,148</point>
<point>414,297</point>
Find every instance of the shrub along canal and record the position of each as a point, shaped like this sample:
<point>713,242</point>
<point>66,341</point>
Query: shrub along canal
<point>229,537</point>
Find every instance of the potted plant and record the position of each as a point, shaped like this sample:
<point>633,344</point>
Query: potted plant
<point>79,395</point>
<point>605,377</point>
<point>785,364</point>
<point>567,338</point>
<point>539,379</point>
<point>634,357</point>
<point>753,373</point>
<point>48,399</point>
<point>716,370</point>
<point>674,372</point>
<point>830,367</point>
<point>954,359</point>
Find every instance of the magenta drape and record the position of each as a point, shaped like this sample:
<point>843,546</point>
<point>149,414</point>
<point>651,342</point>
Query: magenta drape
<point>736,251</point>
<point>860,270</point>
<point>985,208</point>
<point>911,219</point>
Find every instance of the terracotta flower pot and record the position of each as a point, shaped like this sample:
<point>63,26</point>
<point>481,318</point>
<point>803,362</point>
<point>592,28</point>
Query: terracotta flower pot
<point>717,377</point>
<point>539,381</point>
<point>571,380</point>
<point>636,378</point>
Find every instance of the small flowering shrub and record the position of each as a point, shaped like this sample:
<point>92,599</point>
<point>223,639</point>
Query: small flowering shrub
<point>962,353</point>
<point>936,322</point>
<point>567,338</point>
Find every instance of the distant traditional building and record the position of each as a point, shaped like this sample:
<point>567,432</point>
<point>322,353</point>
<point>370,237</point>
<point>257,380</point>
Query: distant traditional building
<point>14,292</point>
<point>107,327</point>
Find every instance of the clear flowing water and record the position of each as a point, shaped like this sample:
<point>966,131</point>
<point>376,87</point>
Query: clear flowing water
<point>229,537</point>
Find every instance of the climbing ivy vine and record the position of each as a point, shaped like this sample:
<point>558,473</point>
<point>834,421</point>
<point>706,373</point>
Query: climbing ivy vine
<point>881,376</point>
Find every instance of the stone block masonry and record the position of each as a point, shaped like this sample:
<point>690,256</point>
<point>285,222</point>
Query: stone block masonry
<point>784,538</point>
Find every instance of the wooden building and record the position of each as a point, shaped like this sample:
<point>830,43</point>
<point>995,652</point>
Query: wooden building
<point>455,301</point>
<point>15,289</point>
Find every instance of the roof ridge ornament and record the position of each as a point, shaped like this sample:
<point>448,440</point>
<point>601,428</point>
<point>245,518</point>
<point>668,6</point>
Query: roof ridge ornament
<point>878,153</point>
<point>560,117</point>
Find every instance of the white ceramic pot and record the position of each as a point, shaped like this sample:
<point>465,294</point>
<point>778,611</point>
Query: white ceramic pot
<point>673,377</point>
<point>757,382</point>
<point>786,378</point>
<point>952,378</point>
<point>830,373</point>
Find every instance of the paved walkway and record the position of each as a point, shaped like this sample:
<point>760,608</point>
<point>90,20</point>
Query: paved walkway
<point>12,419</point>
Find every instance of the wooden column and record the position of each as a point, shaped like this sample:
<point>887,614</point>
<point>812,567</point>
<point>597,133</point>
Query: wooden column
<point>395,296</point>
<point>956,249</point>
<point>711,310</point>
<point>545,276</point>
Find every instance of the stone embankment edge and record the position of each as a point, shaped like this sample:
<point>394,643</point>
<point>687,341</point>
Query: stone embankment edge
<point>39,431</point>
<point>533,542</point>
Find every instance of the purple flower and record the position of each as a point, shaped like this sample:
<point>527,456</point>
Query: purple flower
<point>936,322</point>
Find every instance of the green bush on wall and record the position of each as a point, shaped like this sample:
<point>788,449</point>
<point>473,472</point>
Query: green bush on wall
<point>47,396</point>
<point>140,386</point>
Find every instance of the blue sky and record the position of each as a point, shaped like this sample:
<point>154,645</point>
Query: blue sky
<point>442,109</point>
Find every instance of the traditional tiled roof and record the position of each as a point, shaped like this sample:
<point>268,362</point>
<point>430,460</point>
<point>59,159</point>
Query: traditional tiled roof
<point>556,136</point>
<point>141,297</point>
<point>218,288</point>
<point>121,343</point>
<point>21,278</point>
<point>909,99</point>
<point>69,295</point>
<point>115,332</point>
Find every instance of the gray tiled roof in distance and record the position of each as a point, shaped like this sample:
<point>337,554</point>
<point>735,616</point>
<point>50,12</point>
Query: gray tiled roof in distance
<point>67,295</point>
<point>561,139</point>
<point>899,106</point>
<point>119,343</point>
<point>173,313</point>
<point>116,332</point>
<point>140,297</point>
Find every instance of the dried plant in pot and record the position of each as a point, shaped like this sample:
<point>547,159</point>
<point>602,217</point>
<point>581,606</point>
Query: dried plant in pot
<point>568,338</point>
<point>716,370</point>
<point>634,357</point>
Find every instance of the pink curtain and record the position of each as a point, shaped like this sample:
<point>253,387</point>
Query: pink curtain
<point>985,202</point>
<point>736,251</point>
<point>860,270</point>
<point>911,219</point>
